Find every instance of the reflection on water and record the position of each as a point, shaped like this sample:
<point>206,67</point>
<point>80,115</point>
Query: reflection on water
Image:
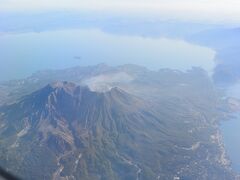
<point>23,54</point>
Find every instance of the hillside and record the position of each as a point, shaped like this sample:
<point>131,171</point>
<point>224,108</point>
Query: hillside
<point>67,131</point>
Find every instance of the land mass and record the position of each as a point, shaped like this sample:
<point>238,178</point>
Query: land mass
<point>103,122</point>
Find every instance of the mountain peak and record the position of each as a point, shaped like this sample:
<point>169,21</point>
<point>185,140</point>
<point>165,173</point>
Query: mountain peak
<point>116,91</point>
<point>68,87</point>
<point>65,86</point>
<point>62,84</point>
<point>62,95</point>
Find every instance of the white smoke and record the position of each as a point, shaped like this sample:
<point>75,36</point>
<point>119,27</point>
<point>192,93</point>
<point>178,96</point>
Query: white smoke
<point>105,82</point>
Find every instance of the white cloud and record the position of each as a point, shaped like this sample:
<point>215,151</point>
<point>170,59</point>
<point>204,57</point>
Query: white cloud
<point>220,10</point>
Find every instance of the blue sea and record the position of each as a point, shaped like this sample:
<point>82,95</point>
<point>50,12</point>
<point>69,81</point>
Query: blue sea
<point>22,54</point>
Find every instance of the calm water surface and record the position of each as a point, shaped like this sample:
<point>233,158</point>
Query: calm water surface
<point>24,53</point>
<point>231,136</point>
<point>231,132</point>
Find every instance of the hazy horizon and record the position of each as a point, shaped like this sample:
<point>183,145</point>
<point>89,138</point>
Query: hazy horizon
<point>213,11</point>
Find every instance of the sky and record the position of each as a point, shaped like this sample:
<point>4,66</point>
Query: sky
<point>213,10</point>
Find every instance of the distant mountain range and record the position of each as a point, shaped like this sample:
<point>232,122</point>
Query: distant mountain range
<point>226,43</point>
<point>120,123</point>
<point>110,23</point>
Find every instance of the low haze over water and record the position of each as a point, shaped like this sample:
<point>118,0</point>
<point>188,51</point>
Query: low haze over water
<point>25,53</point>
